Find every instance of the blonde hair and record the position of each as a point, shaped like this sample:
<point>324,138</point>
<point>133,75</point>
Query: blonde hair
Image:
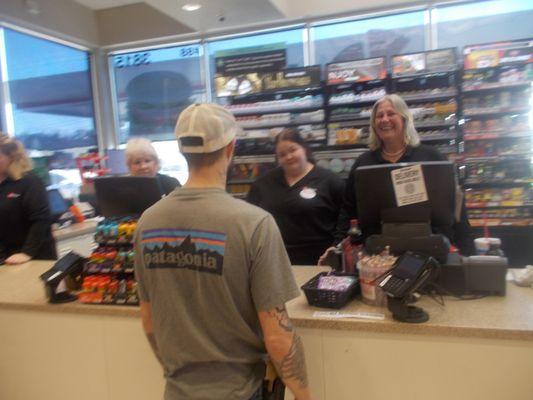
<point>20,162</point>
<point>409,132</point>
<point>139,147</point>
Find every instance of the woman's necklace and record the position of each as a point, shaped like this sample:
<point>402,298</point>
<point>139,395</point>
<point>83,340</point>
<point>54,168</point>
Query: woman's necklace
<point>395,155</point>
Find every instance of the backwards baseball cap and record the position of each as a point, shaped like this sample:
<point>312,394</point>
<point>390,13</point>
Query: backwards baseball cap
<point>204,128</point>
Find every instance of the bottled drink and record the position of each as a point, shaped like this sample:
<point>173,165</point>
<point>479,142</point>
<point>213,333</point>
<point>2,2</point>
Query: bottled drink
<point>351,246</point>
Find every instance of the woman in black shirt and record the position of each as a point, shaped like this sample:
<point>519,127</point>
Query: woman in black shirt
<point>394,139</point>
<point>25,224</point>
<point>303,198</point>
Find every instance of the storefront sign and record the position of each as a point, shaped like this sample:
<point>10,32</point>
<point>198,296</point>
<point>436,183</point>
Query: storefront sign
<point>356,71</point>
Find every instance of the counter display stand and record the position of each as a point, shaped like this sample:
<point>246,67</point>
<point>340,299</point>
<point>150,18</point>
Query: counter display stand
<point>427,81</point>
<point>108,273</point>
<point>498,144</point>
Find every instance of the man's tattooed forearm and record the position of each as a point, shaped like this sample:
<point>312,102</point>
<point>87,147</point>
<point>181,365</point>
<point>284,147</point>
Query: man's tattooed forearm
<point>292,366</point>
<point>283,318</point>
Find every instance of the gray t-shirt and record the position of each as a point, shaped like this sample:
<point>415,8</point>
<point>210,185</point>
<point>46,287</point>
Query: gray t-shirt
<point>208,263</point>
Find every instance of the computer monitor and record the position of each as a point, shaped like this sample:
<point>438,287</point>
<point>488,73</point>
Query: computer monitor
<point>377,202</point>
<point>120,196</point>
<point>58,205</point>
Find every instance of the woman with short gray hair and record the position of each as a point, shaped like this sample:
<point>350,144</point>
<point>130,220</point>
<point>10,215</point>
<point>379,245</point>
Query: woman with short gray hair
<point>142,160</point>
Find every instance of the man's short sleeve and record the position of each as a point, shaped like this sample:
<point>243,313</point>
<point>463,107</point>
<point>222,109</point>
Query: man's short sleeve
<point>140,275</point>
<point>271,279</point>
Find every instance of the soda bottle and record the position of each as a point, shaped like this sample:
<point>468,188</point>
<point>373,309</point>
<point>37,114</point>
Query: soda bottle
<point>351,246</point>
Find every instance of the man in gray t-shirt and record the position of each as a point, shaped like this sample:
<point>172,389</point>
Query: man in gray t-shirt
<point>214,277</point>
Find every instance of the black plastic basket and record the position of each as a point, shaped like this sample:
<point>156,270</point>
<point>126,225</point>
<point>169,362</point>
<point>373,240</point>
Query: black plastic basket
<point>329,298</point>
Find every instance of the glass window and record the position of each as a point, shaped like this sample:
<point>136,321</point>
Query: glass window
<point>291,40</point>
<point>153,86</point>
<point>367,38</point>
<point>49,102</point>
<point>483,22</point>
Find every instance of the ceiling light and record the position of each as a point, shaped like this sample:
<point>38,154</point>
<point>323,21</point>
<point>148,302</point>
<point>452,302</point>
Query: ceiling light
<point>191,7</point>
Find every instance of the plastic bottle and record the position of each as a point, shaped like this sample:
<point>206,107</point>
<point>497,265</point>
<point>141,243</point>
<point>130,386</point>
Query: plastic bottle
<point>351,246</point>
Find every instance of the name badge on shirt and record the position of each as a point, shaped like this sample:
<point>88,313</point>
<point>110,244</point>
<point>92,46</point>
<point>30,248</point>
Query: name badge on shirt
<point>308,193</point>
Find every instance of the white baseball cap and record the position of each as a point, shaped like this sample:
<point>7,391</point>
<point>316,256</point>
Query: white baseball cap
<point>205,128</point>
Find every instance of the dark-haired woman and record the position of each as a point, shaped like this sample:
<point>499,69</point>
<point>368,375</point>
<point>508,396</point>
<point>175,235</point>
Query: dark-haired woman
<point>303,198</point>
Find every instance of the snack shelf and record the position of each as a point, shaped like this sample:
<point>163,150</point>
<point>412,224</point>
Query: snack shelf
<point>471,88</point>
<point>429,97</point>
<point>496,135</point>
<point>433,74</point>
<point>501,182</point>
<point>437,136</point>
<point>496,158</point>
<point>273,110</point>
<point>351,103</point>
<point>499,205</point>
<point>434,124</point>
<point>281,125</point>
<point>482,112</point>
<point>481,222</point>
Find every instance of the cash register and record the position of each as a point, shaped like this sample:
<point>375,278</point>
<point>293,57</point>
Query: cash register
<point>410,207</point>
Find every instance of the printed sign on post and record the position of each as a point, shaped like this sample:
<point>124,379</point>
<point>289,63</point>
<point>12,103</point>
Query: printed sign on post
<point>409,185</point>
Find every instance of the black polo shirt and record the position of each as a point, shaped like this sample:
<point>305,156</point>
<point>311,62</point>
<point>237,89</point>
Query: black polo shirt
<point>461,231</point>
<point>305,212</point>
<point>25,224</point>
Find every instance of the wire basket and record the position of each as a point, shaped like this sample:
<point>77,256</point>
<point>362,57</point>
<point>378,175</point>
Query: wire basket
<point>329,298</point>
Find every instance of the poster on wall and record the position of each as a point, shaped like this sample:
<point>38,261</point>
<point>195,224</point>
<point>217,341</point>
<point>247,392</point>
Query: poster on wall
<point>424,62</point>
<point>292,78</point>
<point>239,72</point>
<point>356,71</point>
<point>496,54</point>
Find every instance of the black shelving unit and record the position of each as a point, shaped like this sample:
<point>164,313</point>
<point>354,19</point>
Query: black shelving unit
<point>498,143</point>
<point>428,82</point>
<point>351,88</point>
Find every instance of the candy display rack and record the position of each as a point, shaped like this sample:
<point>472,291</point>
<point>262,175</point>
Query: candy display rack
<point>108,272</point>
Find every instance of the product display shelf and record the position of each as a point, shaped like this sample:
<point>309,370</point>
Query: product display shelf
<point>432,98</point>
<point>108,273</point>
<point>498,146</point>
<point>264,114</point>
<point>244,170</point>
<point>348,110</point>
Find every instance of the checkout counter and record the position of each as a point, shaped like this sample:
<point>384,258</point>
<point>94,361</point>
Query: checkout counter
<point>468,350</point>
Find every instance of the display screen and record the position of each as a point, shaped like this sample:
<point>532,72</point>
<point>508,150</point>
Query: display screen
<point>409,267</point>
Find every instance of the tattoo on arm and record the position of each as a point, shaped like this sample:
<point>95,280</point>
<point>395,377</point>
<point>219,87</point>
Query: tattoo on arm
<point>151,339</point>
<point>292,366</point>
<point>280,313</point>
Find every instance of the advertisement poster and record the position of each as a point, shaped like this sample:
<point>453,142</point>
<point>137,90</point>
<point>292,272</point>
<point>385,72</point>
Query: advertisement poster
<point>408,64</point>
<point>292,78</point>
<point>356,71</point>
<point>441,60</point>
<point>494,54</point>
<point>424,62</point>
<point>239,72</point>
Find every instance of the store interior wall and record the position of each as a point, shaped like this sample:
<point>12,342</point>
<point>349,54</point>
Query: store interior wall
<point>136,22</point>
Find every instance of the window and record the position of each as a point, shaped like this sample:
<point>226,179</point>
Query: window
<point>368,38</point>
<point>483,22</point>
<point>153,86</point>
<point>291,40</point>
<point>48,101</point>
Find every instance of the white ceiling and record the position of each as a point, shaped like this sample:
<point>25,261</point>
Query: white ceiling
<point>246,12</point>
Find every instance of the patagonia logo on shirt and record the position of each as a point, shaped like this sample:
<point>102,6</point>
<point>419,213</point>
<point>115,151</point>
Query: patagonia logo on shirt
<point>198,250</point>
<point>12,195</point>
